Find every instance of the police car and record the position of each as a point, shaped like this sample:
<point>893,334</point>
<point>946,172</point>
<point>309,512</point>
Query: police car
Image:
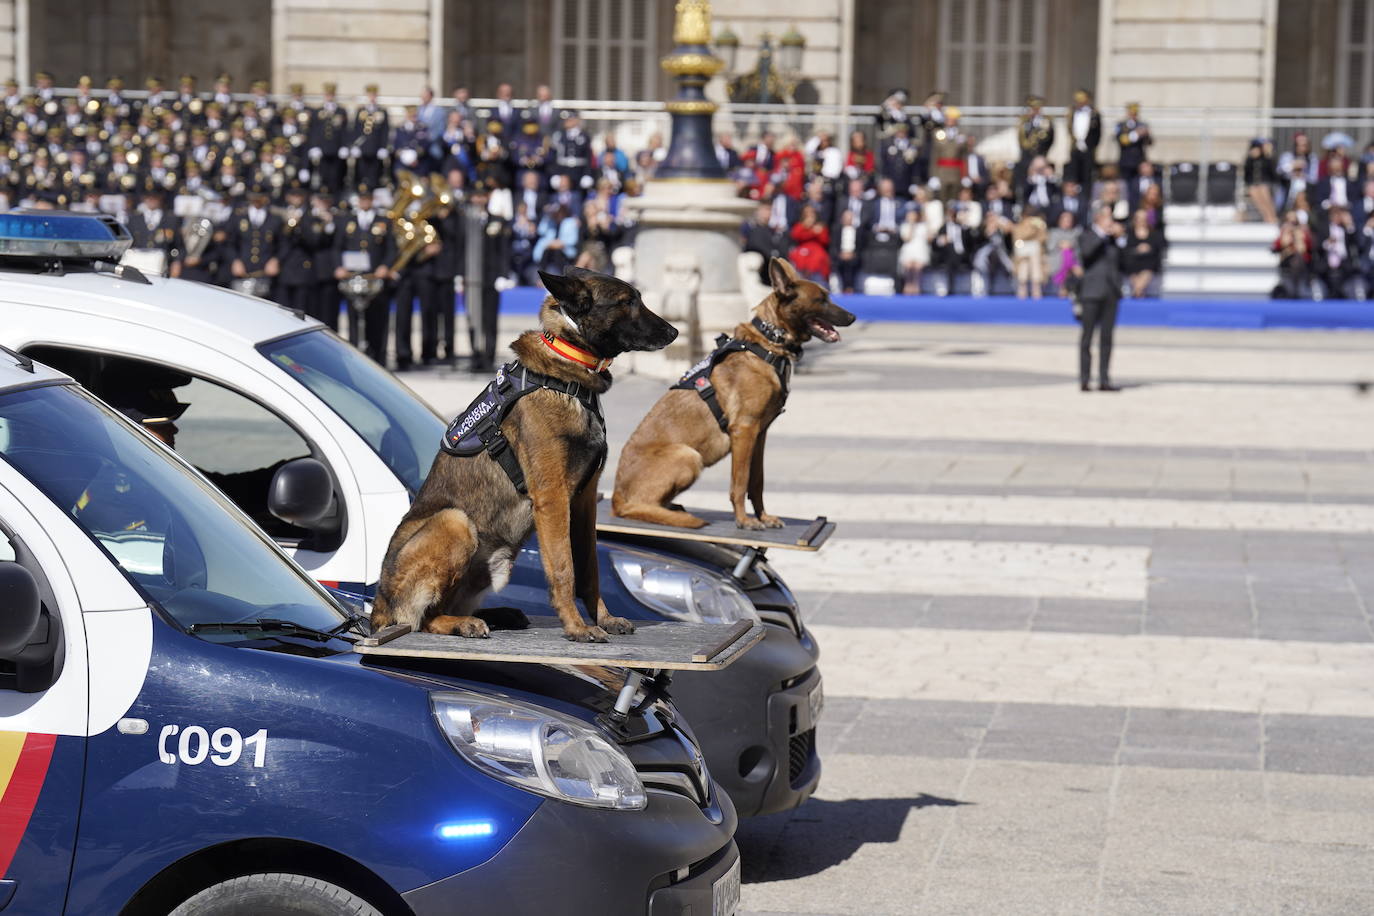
<point>325,450</point>
<point>185,728</point>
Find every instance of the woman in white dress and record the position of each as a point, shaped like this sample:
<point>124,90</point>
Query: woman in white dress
<point>915,252</point>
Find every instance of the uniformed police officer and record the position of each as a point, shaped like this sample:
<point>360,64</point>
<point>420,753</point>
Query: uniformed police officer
<point>152,227</point>
<point>437,317</point>
<point>488,255</point>
<point>572,152</point>
<point>255,239</point>
<point>368,140</point>
<point>325,219</point>
<point>299,248</point>
<point>363,245</point>
<point>327,141</point>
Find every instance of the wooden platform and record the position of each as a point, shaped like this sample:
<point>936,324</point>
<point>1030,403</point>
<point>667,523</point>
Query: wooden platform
<point>796,533</point>
<point>653,644</point>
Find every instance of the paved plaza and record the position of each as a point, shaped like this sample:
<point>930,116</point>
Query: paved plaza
<point>1102,653</point>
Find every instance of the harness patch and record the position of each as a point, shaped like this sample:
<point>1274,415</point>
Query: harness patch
<point>698,378</point>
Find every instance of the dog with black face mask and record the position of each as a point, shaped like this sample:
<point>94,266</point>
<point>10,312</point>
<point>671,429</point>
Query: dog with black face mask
<point>526,455</point>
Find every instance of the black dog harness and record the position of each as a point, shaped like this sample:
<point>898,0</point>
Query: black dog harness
<point>698,378</point>
<point>478,429</point>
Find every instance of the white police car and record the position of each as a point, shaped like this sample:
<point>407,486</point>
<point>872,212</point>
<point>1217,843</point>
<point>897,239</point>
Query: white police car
<point>325,450</point>
<point>184,727</point>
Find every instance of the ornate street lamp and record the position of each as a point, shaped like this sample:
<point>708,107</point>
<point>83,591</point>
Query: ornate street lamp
<point>727,47</point>
<point>691,153</point>
<point>793,43</point>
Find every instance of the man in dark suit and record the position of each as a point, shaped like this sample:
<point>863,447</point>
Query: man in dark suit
<point>1070,201</point>
<point>951,251</point>
<point>1099,291</point>
<point>1085,132</point>
<point>488,259</point>
<point>505,112</point>
<point>854,200</point>
<point>327,296</point>
<point>758,235</point>
<point>726,154</point>
<point>1145,178</point>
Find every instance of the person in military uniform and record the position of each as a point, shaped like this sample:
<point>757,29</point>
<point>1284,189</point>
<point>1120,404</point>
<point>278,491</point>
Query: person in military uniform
<point>367,140</point>
<point>947,155</point>
<point>188,105</point>
<point>1134,139</point>
<point>530,152</point>
<point>437,300</point>
<point>255,239</point>
<point>302,239</point>
<point>119,177</point>
<point>153,227</point>
<point>121,107</point>
<point>898,163</point>
<point>223,96</point>
<point>410,144</point>
<point>488,258</point>
<point>364,245</point>
<point>493,157</point>
<point>202,247</point>
<point>294,125</point>
<point>325,220</point>
<point>572,152</point>
<point>327,141</point>
<point>264,108</point>
<point>1035,136</point>
<point>1085,132</point>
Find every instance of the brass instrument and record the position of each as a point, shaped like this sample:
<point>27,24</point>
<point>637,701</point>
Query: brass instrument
<point>415,233</point>
<point>195,236</point>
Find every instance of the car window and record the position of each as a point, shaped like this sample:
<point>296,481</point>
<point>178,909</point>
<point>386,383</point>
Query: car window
<point>175,537</point>
<point>232,439</point>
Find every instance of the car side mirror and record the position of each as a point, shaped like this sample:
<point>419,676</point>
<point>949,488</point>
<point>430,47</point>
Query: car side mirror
<point>20,609</point>
<point>302,494</point>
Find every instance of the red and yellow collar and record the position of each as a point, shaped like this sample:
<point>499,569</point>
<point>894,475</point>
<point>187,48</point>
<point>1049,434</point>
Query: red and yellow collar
<point>575,353</point>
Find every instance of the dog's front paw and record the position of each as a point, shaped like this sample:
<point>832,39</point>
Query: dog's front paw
<point>617,625</point>
<point>472,628</point>
<point>586,634</point>
<point>749,524</point>
<point>770,521</point>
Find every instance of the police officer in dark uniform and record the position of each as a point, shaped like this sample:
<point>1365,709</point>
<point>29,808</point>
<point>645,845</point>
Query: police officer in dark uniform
<point>368,141</point>
<point>299,248</point>
<point>327,141</point>
<point>530,152</point>
<point>488,254</point>
<point>899,158</point>
<point>325,220</point>
<point>202,248</point>
<point>437,317</point>
<point>255,238</point>
<point>572,152</point>
<point>364,245</point>
<point>153,227</point>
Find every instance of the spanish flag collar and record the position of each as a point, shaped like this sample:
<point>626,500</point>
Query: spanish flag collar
<point>575,353</point>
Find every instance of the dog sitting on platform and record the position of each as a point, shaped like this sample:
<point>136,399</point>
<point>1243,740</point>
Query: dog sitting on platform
<point>724,405</point>
<point>527,454</point>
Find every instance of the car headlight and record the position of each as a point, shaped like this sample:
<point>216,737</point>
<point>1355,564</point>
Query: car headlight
<point>538,750</point>
<point>681,592</point>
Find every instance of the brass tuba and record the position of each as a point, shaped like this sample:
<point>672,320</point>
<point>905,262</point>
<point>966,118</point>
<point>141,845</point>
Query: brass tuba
<point>414,233</point>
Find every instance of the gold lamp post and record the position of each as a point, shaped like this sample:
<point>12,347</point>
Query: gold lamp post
<point>690,152</point>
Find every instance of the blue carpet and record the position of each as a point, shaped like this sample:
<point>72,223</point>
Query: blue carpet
<point>1169,313</point>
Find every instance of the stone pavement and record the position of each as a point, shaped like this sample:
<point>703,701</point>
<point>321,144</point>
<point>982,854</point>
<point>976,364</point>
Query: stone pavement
<point>1104,653</point>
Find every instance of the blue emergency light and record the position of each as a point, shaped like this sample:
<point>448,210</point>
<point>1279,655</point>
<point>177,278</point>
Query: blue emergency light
<point>58,234</point>
<point>465,831</point>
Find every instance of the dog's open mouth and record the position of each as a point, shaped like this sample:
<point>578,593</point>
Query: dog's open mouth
<point>823,329</point>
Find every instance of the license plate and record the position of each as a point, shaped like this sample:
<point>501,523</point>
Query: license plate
<point>725,892</point>
<point>817,702</point>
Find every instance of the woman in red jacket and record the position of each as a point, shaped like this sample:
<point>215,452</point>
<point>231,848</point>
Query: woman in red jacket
<point>811,254</point>
<point>859,163</point>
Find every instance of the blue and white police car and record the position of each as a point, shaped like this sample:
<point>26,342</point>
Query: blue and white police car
<point>185,729</point>
<point>324,449</point>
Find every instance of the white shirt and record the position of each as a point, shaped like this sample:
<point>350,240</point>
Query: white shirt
<point>256,215</point>
<point>365,219</point>
<point>1082,120</point>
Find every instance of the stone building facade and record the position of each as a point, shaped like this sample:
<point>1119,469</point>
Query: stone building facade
<point>1164,53</point>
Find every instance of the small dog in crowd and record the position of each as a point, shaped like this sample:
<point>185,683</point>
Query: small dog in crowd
<point>724,405</point>
<point>527,454</point>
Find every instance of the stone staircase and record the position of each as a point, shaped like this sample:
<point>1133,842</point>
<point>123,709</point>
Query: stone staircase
<point>1214,255</point>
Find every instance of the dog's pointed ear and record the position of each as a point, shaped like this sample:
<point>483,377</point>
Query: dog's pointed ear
<point>571,292</point>
<point>784,277</point>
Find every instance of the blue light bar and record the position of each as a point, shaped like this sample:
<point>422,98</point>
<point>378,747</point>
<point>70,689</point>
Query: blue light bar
<point>466,831</point>
<point>59,234</point>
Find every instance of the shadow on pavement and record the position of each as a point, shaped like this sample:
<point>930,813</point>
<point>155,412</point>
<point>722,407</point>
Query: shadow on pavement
<point>822,834</point>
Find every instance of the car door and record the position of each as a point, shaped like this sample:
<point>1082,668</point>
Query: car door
<point>42,734</point>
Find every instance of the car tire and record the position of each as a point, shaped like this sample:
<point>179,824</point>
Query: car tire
<point>275,895</point>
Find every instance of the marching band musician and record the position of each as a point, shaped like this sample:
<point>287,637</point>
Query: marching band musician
<point>324,220</point>
<point>327,141</point>
<point>302,240</point>
<point>367,142</point>
<point>1035,136</point>
<point>152,227</point>
<point>1133,136</point>
<point>255,238</point>
<point>363,245</point>
<point>437,301</point>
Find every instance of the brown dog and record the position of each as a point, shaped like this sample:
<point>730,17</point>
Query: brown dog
<point>460,536</point>
<point>746,380</point>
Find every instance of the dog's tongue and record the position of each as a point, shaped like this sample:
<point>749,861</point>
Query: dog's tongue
<point>824,330</point>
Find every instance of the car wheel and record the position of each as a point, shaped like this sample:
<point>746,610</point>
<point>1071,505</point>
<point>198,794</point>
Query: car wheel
<point>275,895</point>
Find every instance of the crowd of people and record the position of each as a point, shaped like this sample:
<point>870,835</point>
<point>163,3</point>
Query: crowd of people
<point>300,195</point>
<point>1323,203</point>
<point>922,211</point>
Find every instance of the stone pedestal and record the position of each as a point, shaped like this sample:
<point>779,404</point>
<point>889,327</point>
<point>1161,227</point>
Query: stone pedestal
<point>702,216</point>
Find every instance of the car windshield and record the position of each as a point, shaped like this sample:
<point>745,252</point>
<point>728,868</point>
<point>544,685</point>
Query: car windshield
<point>395,423</point>
<point>181,543</point>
